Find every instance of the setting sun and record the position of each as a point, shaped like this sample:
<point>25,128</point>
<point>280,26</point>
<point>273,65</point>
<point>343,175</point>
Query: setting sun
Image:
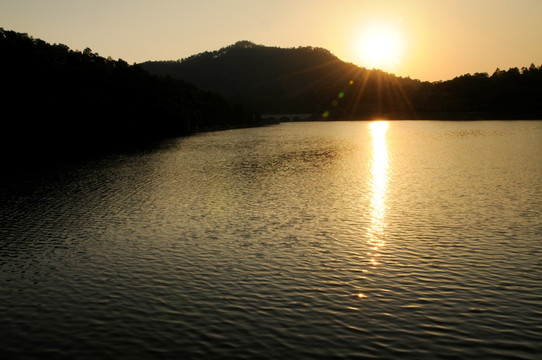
<point>380,48</point>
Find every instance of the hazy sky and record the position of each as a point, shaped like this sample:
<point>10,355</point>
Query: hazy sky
<point>432,39</point>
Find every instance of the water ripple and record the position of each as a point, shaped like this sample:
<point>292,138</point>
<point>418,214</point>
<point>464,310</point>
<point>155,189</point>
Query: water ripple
<point>305,240</point>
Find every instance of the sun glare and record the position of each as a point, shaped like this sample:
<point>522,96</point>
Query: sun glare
<point>380,48</point>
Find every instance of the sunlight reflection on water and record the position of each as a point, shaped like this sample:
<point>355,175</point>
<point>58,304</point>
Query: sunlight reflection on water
<point>379,187</point>
<point>304,240</point>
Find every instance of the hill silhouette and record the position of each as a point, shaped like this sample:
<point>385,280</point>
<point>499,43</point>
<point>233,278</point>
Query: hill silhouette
<point>313,80</point>
<point>60,104</point>
<point>297,80</point>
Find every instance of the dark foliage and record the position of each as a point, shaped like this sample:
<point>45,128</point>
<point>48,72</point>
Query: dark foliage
<point>511,94</point>
<point>298,80</point>
<point>312,80</point>
<point>58,103</point>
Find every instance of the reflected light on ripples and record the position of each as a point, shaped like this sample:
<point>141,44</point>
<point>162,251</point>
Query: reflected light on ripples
<point>379,187</point>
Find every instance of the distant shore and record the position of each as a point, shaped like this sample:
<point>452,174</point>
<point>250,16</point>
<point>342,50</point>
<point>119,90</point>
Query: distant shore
<point>445,116</point>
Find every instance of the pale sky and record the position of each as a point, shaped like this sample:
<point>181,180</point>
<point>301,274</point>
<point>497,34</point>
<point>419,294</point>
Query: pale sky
<point>430,40</point>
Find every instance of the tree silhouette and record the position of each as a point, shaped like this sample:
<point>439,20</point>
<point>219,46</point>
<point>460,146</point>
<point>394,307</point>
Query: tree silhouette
<point>309,80</point>
<point>65,103</point>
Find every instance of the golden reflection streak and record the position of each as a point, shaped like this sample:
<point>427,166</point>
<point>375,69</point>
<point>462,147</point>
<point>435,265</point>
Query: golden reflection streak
<point>379,187</point>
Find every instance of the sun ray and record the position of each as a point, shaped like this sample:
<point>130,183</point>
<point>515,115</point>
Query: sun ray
<point>359,94</point>
<point>404,97</point>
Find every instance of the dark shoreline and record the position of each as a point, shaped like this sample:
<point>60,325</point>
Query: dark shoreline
<point>59,154</point>
<point>431,117</point>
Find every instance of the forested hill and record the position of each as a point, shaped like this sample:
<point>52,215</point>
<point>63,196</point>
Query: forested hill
<point>312,80</point>
<point>278,80</point>
<point>66,103</point>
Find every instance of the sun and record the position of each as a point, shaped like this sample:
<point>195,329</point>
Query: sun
<point>380,48</point>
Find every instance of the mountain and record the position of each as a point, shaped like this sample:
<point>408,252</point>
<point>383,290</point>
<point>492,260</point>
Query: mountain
<point>313,80</point>
<point>59,103</point>
<point>297,80</point>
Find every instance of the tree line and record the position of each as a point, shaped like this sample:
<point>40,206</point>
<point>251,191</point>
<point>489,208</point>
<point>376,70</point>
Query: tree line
<point>64,103</point>
<point>67,102</point>
<point>506,94</point>
<point>313,80</point>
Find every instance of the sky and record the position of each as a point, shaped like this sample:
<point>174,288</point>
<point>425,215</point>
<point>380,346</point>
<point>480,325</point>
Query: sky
<point>429,40</point>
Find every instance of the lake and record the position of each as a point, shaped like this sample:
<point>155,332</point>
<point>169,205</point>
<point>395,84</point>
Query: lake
<point>403,239</point>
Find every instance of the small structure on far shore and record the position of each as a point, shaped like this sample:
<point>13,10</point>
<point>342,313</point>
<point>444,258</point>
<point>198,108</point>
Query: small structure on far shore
<point>287,117</point>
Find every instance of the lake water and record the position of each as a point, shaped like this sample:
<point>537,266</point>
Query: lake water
<point>302,240</point>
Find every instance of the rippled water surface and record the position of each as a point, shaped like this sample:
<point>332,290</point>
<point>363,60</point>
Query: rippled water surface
<point>301,240</point>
